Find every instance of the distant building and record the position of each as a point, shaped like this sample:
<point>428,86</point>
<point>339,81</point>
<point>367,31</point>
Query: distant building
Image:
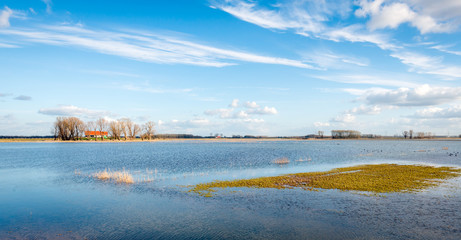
<point>96,134</point>
<point>340,134</point>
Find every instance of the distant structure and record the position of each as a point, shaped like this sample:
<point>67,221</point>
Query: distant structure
<point>341,134</point>
<point>96,134</point>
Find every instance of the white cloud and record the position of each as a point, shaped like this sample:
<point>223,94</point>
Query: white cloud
<point>365,110</point>
<point>144,47</point>
<point>424,95</point>
<point>5,15</point>
<point>321,124</point>
<point>251,105</point>
<point>241,114</point>
<point>391,14</point>
<point>249,108</point>
<point>223,113</point>
<point>253,120</point>
<point>442,10</point>
<point>344,118</point>
<point>263,111</point>
<point>437,112</point>
<point>235,103</point>
<point>70,110</point>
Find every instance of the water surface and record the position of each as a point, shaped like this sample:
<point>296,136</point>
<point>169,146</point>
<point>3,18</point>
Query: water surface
<point>47,192</point>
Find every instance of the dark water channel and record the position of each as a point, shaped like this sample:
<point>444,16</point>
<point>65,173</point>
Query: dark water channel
<point>47,192</point>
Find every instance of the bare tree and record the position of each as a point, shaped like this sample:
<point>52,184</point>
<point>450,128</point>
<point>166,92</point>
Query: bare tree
<point>115,129</point>
<point>148,128</point>
<point>102,125</point>
<point>420,134</point>
<point>128,127</point>
<point>68,128</point>
<point>61,130</point>
<point>125,126</point>
<point>54,131</point>
<point>135,130</point>
<point>79,127</point>
<point>320,134</point>
<point>405,134</point>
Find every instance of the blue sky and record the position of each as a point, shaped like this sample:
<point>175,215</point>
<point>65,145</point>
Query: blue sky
<point>233,67</point>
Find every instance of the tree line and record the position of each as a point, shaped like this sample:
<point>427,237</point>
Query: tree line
<point>410,134</point>
<point>73,128</point>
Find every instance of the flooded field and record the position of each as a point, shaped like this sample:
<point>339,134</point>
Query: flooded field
<point>52,191</point>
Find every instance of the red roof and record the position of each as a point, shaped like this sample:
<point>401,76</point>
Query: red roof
<point>88,133</point>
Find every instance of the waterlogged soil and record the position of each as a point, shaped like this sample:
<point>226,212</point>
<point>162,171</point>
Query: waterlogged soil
<point>49,191</point>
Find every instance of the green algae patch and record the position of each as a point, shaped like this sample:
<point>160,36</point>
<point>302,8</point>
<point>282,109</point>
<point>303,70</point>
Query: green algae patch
<point>382,178</point>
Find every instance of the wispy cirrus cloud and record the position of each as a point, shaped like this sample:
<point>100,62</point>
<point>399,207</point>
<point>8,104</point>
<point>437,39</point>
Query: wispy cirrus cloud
<point>149,89</point>
<point>49,5</point>
<point>367,79</point>
<point>145,47</point>
<point>446,49</point>
<point>8,45</point>
<point>306,18</point>
<point>428,65</point>
<point>327,59</point>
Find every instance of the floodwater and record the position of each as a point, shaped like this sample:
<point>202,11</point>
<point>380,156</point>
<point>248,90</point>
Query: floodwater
<point>47,192</point>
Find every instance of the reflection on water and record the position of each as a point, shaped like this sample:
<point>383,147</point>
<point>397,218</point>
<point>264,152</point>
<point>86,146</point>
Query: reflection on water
<point>47,191</point>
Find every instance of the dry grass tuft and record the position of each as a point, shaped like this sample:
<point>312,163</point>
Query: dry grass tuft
<point>382,178</point>
<point>283,160</point>
<point>117,176</point>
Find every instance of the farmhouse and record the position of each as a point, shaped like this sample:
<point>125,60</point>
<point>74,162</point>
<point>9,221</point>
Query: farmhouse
<point>96,134</point>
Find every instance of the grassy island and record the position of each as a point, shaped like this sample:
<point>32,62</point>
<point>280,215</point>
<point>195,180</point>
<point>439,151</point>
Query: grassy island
<point>382,178</point>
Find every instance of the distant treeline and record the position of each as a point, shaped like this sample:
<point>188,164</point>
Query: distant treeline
<point>176,136</point>
<point>26,137</point>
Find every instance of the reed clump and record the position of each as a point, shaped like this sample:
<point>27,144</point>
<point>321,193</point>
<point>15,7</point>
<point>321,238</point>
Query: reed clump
<point>117,176</point>
<point>282,160</point>
<point>382,178</point>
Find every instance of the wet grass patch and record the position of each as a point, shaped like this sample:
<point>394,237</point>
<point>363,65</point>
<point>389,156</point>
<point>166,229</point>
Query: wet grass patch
<point>382,178</point>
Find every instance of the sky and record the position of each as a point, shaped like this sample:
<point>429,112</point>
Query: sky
<point>233,67</point>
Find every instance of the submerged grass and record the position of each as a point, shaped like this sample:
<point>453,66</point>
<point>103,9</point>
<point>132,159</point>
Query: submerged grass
<point>382,178</point>
<point>117,176</point>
